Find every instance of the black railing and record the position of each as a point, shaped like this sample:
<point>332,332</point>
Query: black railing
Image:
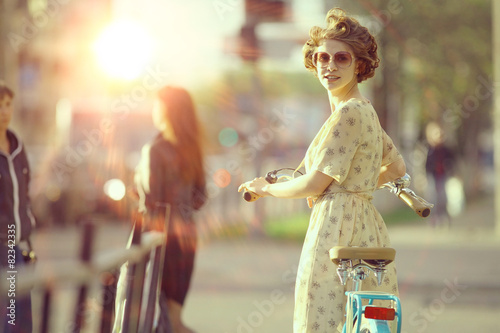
<point>130,276</point>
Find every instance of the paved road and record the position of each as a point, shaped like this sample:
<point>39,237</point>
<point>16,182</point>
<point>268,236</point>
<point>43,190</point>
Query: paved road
<point>247,286</point>
<point>448,277</point>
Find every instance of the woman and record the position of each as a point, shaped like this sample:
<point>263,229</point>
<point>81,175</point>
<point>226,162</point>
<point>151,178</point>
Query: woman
<point>16,219</point>
<point>170,180</point>
<point>349,158</point>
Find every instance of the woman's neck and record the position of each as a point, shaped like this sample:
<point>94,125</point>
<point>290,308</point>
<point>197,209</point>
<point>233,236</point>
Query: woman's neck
<point>169,136</point>
<point>337,99</point>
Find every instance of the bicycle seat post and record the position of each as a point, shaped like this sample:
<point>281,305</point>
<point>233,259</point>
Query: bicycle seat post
<point>358,275</point>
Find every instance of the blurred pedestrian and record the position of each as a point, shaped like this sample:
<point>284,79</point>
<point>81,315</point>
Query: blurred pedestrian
<point>350,157</point>
<point>170,180</point>
<point>16,219</point>
<point>439,166</point>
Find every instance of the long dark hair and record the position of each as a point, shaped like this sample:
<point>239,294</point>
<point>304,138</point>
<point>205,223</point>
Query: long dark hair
<point>181,114</point>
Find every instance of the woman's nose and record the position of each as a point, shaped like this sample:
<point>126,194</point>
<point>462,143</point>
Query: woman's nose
<point>331,65</point>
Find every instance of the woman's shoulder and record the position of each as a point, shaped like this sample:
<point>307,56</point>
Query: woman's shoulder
<point>362,108</point>
<point>159,142</point>
<point>161,148</point>
<point>354,108</point>
<point>357,104</point>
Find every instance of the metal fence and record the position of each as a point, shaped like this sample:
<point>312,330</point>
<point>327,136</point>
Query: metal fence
<point>128,281</point>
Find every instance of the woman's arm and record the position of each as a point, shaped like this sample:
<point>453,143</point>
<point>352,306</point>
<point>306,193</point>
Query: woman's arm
<point>308,185</point>
<point>392,171</point>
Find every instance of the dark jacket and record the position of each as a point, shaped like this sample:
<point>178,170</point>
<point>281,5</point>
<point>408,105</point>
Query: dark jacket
<point>159,183</point>
<point>440,161</point>
<point>14,201</point>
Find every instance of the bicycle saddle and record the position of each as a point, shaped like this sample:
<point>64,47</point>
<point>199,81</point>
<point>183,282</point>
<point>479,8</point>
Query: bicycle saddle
<point>375,256</point>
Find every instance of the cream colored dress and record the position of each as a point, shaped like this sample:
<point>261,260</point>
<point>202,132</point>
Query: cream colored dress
<point>351,147</point>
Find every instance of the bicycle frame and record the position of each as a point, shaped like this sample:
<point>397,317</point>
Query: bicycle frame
<point>379,319</point>
<point>355,310</point>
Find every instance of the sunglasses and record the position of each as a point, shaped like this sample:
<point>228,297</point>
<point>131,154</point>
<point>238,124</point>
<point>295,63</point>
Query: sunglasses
<point>342,59</point>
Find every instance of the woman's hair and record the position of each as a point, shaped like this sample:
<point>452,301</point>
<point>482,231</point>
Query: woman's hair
<point>348,30</point>
<point>5,91</point>
<point>181,114</point>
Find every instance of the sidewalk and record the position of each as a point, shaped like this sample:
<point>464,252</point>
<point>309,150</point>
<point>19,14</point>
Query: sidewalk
<point>448,277</point>
<point>474,227</point>
<point>448,282</point>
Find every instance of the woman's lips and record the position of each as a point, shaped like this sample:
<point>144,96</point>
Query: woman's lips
<point>331,77</point>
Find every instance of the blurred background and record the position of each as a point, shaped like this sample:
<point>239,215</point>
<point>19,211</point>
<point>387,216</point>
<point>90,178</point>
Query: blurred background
<point>85,73</point>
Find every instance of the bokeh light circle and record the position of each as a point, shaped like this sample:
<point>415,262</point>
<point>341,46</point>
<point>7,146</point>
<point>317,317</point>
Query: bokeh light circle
<point>221,178</point>
<point>228,137</point>
<point>115,189</point>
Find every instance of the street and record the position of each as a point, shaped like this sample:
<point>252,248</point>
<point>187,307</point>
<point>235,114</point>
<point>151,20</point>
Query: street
<point>448,278</point>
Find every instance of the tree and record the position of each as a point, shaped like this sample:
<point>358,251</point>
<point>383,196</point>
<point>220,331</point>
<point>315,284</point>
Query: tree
<point>438,55</point>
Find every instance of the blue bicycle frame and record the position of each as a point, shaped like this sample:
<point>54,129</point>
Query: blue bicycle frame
<point>357,309</point>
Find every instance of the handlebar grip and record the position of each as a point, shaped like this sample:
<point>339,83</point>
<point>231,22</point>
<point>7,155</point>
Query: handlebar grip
<point>250,196</point>
<point>412,200</point>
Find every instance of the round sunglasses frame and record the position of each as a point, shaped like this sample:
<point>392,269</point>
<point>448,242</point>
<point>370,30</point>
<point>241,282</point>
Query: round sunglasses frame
<point>330,58</point>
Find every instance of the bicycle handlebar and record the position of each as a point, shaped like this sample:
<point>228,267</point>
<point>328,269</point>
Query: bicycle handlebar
<point>419,205</point>
<point>271,177</point>
<point>250,196</point>
<point>399,187</point>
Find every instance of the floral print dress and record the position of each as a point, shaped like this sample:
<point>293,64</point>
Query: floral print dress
<point>351,147</point>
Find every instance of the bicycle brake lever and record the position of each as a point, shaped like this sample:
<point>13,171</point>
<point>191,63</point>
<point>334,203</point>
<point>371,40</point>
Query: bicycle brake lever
<point>398,184</point>
<point>272,177</point>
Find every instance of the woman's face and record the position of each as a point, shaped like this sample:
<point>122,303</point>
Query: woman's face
<point>6,110</point>
<point>336,66</point>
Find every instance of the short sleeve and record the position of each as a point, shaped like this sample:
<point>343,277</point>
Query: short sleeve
<point>390,152</point>
<point>337,142</point>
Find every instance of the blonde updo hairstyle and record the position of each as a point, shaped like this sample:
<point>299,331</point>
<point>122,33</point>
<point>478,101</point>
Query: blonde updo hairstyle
<point>348,30</point>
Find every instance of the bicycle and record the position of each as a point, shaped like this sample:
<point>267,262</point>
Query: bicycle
<point>357,262</point>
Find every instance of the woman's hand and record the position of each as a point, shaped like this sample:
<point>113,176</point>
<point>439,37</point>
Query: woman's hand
<point>309,185</point>
<point>256,186</point>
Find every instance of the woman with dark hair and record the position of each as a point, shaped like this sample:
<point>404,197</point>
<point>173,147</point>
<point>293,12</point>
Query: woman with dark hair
<point>170,180</point>
<point>350,157</point>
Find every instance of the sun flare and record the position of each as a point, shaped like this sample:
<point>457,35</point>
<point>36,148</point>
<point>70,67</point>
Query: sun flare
<point>123,49</point>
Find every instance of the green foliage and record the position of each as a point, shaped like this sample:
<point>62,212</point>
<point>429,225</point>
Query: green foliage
<point>294,227</point>
<point>451,43</point>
